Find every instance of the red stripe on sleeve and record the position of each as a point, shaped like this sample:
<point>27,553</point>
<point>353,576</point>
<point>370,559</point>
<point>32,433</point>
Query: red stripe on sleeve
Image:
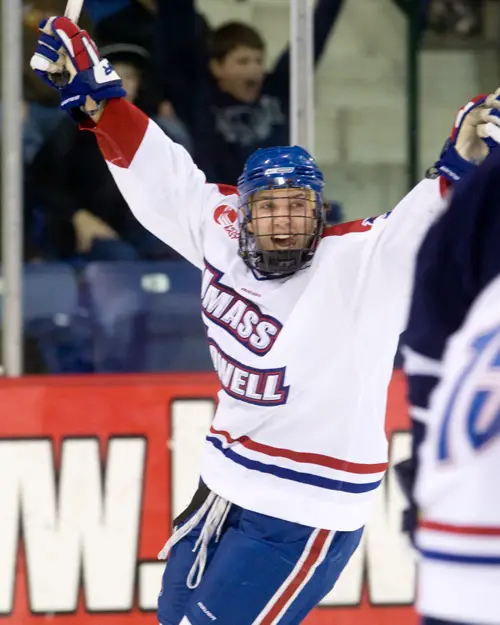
<point>350,226</point>
<point>227,189</point>
<point>119,132</point>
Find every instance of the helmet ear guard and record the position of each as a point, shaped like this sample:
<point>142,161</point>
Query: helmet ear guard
<point>273,169</point>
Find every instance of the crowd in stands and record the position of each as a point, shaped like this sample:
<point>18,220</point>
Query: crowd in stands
<point>207,88</point>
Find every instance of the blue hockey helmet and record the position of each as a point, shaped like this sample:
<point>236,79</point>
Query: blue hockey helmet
<point>280,230</point>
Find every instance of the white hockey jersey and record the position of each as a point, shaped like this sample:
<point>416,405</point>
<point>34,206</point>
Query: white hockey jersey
<point>457,489</point>
<point>304,362</point>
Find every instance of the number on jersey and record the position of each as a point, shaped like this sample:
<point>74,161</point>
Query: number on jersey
<point>482,413</point>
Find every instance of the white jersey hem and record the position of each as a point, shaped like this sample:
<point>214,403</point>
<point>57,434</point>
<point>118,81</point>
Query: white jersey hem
<point>285,499</point>
<point>456,592</point>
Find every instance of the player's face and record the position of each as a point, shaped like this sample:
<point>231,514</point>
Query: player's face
<point>283,219</point>
<point>240,73</point>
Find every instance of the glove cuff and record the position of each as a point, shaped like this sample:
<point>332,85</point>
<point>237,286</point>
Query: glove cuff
<point>100,83</point>
<point>451,165</point>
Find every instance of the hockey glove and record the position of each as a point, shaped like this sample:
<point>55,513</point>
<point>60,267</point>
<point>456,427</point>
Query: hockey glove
<point>451,164</point>
<point>67,59</point>
<point>492,130</point>
<point>475,133</point>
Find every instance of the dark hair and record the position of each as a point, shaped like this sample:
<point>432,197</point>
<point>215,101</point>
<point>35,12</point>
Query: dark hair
<point>128,53</point>
<point>230,36</point>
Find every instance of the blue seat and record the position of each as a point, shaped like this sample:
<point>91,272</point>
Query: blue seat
<point>51,317</point>
<point>50,291</point>
<point>146,316</point>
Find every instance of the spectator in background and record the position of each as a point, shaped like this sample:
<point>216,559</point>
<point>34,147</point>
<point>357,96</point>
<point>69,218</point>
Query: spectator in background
<point>131,22</point>
<point>231,106</point>
<point>123,20</point>
<point>84,212</point>
<point>41,112</point>
<point>133,64</point>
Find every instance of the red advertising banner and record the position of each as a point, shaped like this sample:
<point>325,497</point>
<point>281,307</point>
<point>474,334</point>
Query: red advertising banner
<point>92,471</point>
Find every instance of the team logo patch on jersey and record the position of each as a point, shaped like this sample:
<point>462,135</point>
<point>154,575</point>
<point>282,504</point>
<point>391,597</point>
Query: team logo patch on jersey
<point>226,216</point>
<point>261,387</point>
<point>238,315</point>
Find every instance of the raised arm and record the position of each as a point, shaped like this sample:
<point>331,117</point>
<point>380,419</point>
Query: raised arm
<point>164,189</point>
<point>158,179</point>
<point>400,235</point>
<point>457,260</point>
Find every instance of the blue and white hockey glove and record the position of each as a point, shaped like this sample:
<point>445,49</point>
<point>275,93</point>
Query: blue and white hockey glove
<point>492,128</point>
<point>476,131</point>
<point>451,165</point>
<point>67,59</point>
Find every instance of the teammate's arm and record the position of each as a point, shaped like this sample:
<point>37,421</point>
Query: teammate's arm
<point>399,236</point>
<point>457,260</point>
<point>164,189</point>
<point>158,179</point>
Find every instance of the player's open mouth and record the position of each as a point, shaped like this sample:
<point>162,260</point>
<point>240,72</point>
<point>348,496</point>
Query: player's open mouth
<point>283,241</point>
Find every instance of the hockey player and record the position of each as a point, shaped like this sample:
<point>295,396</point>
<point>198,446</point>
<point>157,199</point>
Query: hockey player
<point>453,346</point>
<point>302,324</point>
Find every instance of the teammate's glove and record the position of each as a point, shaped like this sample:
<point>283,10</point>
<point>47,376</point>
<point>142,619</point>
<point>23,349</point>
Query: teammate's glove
<point>492,129</point>
<point>451,164</point>
<point>67,59</point>
<point>475,133</point>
